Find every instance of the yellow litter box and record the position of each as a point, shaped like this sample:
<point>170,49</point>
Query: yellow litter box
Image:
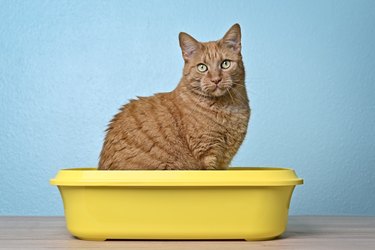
<point>238,203</point>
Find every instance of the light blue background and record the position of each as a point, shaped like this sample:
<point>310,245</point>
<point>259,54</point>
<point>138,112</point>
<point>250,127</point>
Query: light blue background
<point>67,66</point>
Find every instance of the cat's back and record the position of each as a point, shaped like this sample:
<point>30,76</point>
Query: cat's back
<point>145,127</point>
<point>149,114</point>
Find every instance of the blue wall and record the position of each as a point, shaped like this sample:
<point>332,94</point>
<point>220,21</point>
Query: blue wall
<point>67,66</point>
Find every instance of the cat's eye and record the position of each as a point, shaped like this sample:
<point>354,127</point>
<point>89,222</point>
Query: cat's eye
<point>202,68</point>
<point>225,64</point>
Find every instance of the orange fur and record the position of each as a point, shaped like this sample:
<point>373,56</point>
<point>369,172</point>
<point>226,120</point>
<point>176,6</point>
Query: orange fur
<point>199,125</point>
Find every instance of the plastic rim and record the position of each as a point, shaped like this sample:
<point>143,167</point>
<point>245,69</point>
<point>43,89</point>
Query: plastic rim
<point>235,176</point>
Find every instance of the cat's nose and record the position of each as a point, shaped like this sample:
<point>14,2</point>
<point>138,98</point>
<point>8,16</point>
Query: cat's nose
<point>216,80</point>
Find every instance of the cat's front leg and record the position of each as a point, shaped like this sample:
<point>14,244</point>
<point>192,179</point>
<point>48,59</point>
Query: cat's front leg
<point>210,162</point>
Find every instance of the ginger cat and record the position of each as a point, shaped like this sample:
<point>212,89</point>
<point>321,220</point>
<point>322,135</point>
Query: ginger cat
<point>199,125</point>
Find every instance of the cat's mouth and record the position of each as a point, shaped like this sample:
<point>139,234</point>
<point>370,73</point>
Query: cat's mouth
<point>216,90</point>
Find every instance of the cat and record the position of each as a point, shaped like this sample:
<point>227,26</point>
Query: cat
<point>200,125</point>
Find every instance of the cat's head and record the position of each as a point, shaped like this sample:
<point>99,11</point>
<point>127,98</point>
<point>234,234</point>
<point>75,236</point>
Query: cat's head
<point>213,68</point>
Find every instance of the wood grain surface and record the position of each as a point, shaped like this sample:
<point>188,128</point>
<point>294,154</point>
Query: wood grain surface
<point>304,232</point>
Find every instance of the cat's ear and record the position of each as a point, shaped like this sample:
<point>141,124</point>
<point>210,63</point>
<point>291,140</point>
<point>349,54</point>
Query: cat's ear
<point>232,39</point>
<point>188,45</point>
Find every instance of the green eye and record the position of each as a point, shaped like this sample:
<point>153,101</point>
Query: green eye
<point>225,64</point>
<point>202,68</point>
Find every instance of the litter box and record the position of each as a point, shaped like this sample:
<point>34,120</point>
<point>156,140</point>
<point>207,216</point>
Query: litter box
<point>238,203</point>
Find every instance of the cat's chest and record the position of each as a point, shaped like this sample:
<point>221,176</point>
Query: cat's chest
<point>229,125</point>
<point>231,118</point>
<point>234,124</point>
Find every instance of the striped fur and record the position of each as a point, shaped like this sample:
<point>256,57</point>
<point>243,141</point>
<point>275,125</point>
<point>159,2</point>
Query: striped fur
<point>198,125</point>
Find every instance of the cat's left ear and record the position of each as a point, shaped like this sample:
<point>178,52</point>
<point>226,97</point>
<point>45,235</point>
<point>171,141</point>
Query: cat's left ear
<point>232,39</point>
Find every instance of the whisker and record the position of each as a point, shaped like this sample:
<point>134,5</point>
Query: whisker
<point>247,89</point>
<point>231,97</point>
<point>241,98</point>
<point>243,86</point>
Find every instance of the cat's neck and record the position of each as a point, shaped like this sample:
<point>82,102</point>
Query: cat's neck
<point>235,98</point>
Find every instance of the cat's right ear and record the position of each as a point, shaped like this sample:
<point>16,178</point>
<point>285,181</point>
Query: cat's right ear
<point>188,45</point>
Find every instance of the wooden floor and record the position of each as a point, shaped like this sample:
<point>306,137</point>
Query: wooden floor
<point>303,233</point>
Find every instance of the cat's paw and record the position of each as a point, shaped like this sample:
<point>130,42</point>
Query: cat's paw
<point>210,162</point>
